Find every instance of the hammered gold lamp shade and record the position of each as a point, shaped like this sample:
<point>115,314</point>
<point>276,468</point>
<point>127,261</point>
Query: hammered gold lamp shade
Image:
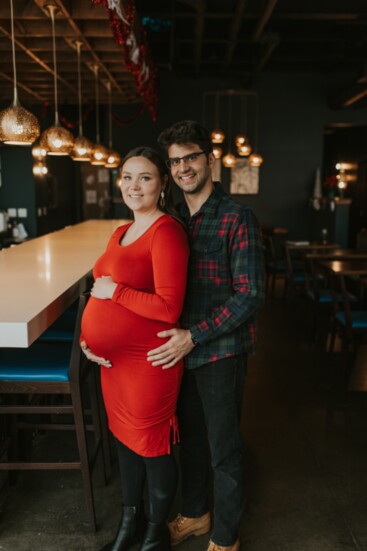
<point>229,160</point>
<point>217,136</point>
<point>18,126</point>
<point>57,140</point>
<point>217,152</point>
<point>82,149</point>
<point>244,149</point>
<point>113,159</point>
<point>255,159</point>
<point>99,155</point>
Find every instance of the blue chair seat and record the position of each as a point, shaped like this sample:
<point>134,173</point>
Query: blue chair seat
<point>299,278</point>
<point>40,362</point>
<point>325,296</point>
<point>55,334</point>
<point>279,266</point>
<point>359,319</point>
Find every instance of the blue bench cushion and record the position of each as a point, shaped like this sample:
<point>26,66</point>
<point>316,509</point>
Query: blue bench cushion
<point>40,362</point>
<point>359,319</point>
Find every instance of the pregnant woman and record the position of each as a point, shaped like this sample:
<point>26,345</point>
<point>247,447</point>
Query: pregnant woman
<point>138,291</point>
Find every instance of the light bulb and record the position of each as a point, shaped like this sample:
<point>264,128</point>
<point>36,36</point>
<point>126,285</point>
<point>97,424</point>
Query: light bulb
<point>217,152</point>
<point>255,159</point>
<point>217,136</point>
<point>229,160</point>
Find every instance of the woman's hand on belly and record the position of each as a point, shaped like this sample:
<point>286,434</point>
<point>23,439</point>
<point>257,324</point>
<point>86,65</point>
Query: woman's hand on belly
<point>103,288</point>
<point>92,357</point>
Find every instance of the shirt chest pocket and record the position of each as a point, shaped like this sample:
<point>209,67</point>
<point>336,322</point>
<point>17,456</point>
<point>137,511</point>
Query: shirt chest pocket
<point>207,259</point>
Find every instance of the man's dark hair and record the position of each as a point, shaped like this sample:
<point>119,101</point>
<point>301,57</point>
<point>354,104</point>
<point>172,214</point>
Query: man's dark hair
<point>185,132</point>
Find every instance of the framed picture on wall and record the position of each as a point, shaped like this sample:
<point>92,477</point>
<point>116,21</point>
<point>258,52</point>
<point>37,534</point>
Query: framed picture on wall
<point>244,178</point>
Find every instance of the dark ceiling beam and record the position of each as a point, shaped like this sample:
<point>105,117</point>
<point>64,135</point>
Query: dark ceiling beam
<point>22,86</point>
<point>267,13</point>
<point>35,58</point>
<point>234,30</point>
<point>348,96</point>
<point>65,10</point>
<point>269,46</point>
<point>199,7</point>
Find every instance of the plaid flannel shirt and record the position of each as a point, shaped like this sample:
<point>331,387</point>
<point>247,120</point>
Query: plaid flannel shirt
<point>226,278</point>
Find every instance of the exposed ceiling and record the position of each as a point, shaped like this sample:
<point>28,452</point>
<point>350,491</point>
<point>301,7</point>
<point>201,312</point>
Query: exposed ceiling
<point>236,38</point>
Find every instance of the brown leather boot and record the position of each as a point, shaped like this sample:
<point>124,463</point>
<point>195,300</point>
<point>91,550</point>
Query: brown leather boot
<point>215,547</point>
<point>184,527</point>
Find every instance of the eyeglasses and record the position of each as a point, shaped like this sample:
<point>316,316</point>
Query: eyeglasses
<point>174,162</point>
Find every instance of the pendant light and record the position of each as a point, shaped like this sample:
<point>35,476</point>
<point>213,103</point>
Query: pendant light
<point>217,152</point>
<point>217,135</point>
<point>113,159</point>
<point>82,146</point>
<point>229,160</point>
<point>255,159</point>
<point>243,145</point>
<point>57,140</point>
<point>99,153</point>
<point>17,125</point>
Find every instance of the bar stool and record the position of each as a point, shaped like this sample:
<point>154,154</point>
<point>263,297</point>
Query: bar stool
<point>51,370</point>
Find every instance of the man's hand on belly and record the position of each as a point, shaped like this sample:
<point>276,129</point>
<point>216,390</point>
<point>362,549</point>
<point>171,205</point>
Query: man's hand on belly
<point>178,346</point>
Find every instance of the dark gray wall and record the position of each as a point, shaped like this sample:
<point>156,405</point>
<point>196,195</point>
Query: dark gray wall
<point>293,113</point>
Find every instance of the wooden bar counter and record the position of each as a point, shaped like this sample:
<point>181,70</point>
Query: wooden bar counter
<point>40,278</point>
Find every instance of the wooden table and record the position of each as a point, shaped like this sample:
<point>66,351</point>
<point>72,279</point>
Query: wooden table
<point>345,267</point>
<point>306,246</point>
<point>338,254</point>
<point>40,278</point>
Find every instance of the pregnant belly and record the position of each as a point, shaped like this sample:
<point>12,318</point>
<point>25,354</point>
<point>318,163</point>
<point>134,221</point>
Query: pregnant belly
<point>114,332</point>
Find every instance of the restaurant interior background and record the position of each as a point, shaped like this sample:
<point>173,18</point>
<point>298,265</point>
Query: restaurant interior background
<point>305,63</point>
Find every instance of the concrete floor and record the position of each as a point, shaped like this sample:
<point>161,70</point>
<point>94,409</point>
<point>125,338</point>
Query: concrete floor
<point>306,443</point>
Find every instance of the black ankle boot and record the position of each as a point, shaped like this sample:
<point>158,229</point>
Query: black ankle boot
<point>156,538</point>
<point>130,531</point>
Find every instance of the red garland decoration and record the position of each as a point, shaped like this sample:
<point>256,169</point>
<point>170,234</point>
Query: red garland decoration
<point>135,52</point>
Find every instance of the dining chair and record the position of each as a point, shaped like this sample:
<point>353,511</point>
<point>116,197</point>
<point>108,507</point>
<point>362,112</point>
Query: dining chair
<point>275,267</point>
<point>295,279</point>
<point>321,296</point>
<point>348,320</point>
<point>43,386</point>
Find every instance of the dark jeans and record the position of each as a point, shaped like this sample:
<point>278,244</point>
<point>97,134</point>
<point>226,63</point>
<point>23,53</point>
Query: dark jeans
<point>209,411</point>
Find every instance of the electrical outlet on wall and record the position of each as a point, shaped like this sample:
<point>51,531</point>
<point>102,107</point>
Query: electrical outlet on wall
<point>12,213</point>
<point>22,213</point>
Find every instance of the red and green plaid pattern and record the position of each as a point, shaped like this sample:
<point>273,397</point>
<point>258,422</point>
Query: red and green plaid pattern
<point>226,278</point>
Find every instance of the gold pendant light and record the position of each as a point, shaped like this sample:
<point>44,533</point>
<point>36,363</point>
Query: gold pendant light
<point>99,153</point>
<point>217,135</point>
<point>229,160</point>
<point>255,159</point>
<point>17,125</point>
<point>82,146</point>
<point>113,159</point>
<point>57,140</point>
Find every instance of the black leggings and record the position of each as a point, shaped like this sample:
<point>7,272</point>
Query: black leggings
<point>161,475</point>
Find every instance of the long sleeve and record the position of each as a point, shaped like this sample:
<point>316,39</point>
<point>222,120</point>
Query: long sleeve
<point>248,282</point>
<point>169,254</point>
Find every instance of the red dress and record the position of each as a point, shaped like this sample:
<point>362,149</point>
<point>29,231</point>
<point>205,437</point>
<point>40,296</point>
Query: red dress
<point>140,399</point>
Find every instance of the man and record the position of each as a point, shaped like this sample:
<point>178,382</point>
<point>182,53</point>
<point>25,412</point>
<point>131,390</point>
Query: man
<point>224,290</point>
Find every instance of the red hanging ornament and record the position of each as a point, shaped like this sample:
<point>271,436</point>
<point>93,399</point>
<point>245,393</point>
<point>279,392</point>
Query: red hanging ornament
<point>128,32</point>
